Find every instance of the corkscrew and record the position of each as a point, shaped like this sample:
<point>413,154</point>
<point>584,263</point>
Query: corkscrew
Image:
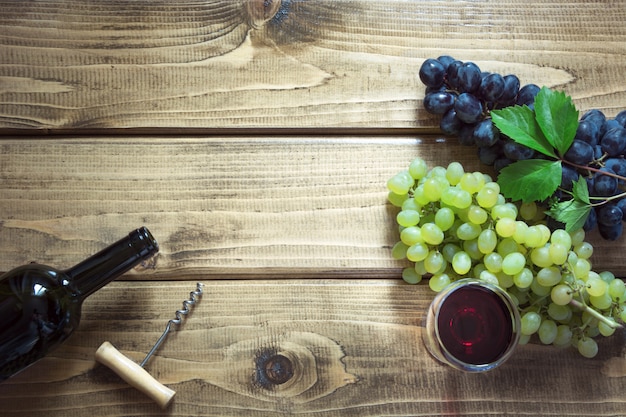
<point>135,374</point>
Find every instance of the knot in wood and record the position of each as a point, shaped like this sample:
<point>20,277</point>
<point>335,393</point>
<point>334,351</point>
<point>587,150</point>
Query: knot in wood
<point>278,369</point>
<point>261,11</point>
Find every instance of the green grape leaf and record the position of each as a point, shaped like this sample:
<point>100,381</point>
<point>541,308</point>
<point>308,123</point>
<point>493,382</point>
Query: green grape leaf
<point>580,191</point>
<point>557,117</point>
<point>530,180</point>
<point>519,123</point>
<point>573,213</point>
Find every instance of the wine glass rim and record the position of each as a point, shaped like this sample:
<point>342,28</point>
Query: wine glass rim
<point>509,305</point>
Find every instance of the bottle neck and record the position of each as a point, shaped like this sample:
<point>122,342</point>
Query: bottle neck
<point>110,263</point>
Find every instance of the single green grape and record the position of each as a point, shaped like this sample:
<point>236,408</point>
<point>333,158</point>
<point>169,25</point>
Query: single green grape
<point>419,196</point>
<point>449,250</point>
<point>434,262</point>
<point>617,289</point>
<point>563,336</point>
<point>411,276</point>
<point>524,339</point>
<point>489,277</point>
<point>448,196</point>
<point>417,252</point>
<point>411,235</point>
<point>398,251</point>
<point>530,323</point>
<point>561,294</point>
<point>513,263</point>
<point>524,278</point>
<point>528,210</point>
<point>521,228</point>
<point>539,289</point>
<point>400,183</point>
<point>444,218</point>
<point>506,210</point>
<point>487,241</point>
<point>471,183</point>
<point>420,268</point>
<point>558,253</point>
<point>601,302</point>
<point>534,237</point>
<point>505,227</point>
<point>587,347</point>
<point>596,287</point>
<point>559,312</point>
<point>494,186</point>
<point>411,204</point>
<point>477,215</point>
<point>418,168</point>
<point>561,237</point>
<point>493,262</point>
<point>607,276</point>
<point>397,200</point>
<point>454,172</point>
<point>547,332</point>
<point>462,199</point>
<point>504,280</point>
<point>437,171</point>
<point>487,197</point>
<point>461,263</point>
<point>605,329</point>
<point>506,246</point>
<point>407,218</point>
<point>438,282</point>
<point>468,231</point>
<point>432,234</point>
<point>584,250</point>
<point>545,233</point>
<point>548,277</point>
<point>541,257</point>
<point>581,268</point>
<point>578,236</point>
<point>433,188</point>
<point>471,247</point>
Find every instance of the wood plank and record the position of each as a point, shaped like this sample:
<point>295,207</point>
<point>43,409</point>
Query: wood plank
<point>75,64</point>
<point>358,344</point>
<point>220,207</point>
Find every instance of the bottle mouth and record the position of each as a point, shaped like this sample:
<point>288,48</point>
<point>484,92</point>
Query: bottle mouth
<point>144,241</point>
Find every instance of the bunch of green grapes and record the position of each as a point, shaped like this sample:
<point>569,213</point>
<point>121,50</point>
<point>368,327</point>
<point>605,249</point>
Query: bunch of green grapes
<point>456,224</point>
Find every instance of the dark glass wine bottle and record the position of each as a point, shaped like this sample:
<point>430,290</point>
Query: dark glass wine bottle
<point>40,306</point>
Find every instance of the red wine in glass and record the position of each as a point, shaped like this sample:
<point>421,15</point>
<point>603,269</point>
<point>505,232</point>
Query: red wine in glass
<point>472,325</point>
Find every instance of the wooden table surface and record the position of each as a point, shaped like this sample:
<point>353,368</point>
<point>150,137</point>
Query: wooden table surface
<point>255,145</point>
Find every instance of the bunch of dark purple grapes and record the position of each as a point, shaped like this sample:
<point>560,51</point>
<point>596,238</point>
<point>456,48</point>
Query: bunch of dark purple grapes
<point>464,96</point>
<point>597,154</point>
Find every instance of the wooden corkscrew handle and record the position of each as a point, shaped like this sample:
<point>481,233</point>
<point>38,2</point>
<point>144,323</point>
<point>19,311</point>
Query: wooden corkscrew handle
<point>134,374</point>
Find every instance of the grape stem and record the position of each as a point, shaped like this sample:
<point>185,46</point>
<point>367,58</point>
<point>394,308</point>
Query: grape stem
<point>596,314</point>
<point>605,200</point>
<point>596,170</point>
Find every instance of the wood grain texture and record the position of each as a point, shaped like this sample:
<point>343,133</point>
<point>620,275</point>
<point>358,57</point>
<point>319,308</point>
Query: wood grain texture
<point>254,138</point>
<point>220,207</point>
<point>74,64</point>
<point>356,348</point>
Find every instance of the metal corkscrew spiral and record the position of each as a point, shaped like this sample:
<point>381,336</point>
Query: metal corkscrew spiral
<point>188,304</point>
<point>134,374</point>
